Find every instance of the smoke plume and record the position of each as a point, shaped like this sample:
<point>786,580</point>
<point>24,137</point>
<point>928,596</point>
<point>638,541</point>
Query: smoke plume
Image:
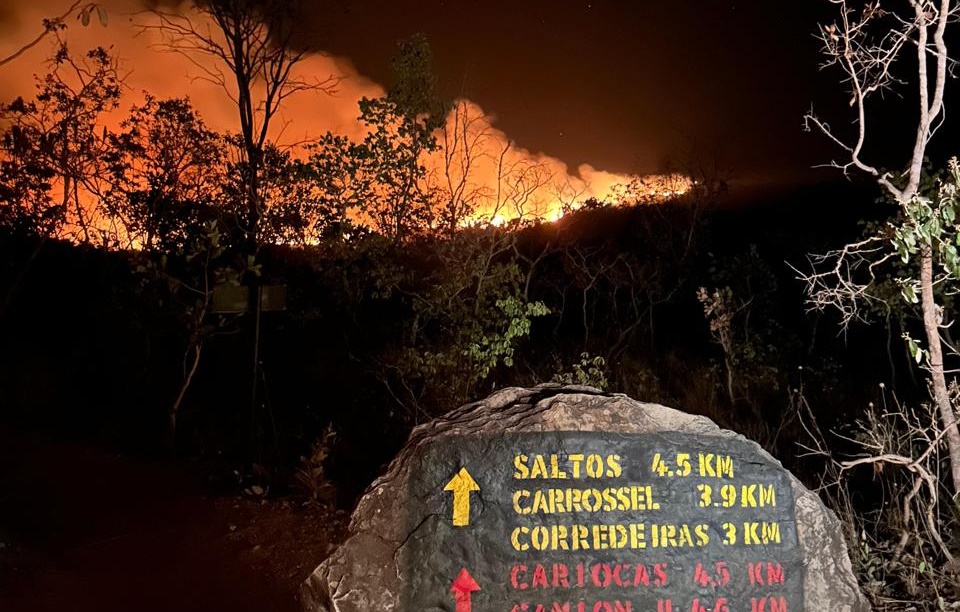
<point>502,180</point>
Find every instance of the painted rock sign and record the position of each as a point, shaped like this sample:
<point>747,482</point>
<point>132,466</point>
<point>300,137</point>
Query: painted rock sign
<point>578,521</point>
<point>567,500</point>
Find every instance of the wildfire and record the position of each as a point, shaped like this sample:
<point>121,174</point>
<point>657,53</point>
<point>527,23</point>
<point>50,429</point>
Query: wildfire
<point>481,176</point>
<point>498,182</point>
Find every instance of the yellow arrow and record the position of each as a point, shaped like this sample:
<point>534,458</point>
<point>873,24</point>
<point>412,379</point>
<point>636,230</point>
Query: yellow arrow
<point>461,484</point>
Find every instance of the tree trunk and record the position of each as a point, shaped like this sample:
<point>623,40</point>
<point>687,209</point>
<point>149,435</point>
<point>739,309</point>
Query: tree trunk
<point>931,322</point>
<point>175,407</point>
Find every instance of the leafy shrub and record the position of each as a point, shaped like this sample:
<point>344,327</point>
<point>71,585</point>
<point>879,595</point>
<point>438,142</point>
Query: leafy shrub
<point>590,371</point>
<point>311,476</point>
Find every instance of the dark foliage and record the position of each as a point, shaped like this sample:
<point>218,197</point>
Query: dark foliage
<point>90,348</point>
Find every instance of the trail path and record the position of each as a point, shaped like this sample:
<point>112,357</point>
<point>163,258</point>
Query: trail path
<point>83,530</point>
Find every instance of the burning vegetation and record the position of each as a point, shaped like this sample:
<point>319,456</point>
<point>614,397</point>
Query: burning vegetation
<point>88,159</point>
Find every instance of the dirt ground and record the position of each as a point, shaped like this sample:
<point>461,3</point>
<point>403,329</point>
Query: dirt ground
<point>84,530</point>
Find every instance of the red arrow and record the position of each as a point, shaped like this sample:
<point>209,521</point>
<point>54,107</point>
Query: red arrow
<point>462,587</point>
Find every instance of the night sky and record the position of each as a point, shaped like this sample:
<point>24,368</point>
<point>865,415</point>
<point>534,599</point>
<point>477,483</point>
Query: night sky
<point>623,85</point>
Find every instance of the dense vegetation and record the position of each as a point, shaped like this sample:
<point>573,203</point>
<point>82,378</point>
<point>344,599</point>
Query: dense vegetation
<point>380,335</point>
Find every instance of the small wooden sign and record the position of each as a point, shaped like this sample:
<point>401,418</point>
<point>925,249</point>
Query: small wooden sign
<point>236,298</point>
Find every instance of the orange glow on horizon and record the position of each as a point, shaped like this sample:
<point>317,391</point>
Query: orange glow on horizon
<point>481,174</point>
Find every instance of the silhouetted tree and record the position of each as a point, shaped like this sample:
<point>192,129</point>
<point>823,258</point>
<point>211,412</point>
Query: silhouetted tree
<point>256,48</point>
<point>52,169</point>
<point>252,45</point>
<point>401,131</point>
<point>166,175</point>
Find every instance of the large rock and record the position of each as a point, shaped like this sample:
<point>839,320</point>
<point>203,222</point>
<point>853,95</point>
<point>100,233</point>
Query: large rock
<point>566,499</point>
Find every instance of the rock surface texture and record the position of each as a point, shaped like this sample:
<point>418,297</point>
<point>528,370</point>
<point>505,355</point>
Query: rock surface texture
<point>399,529</point>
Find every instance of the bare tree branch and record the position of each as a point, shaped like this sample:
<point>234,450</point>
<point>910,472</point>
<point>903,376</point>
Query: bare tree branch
<point>255,61</point>
<point>50,25</point>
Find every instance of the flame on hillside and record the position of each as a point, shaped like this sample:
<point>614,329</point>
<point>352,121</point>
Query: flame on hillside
<point>478,174</point>
<point>486,177</point>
